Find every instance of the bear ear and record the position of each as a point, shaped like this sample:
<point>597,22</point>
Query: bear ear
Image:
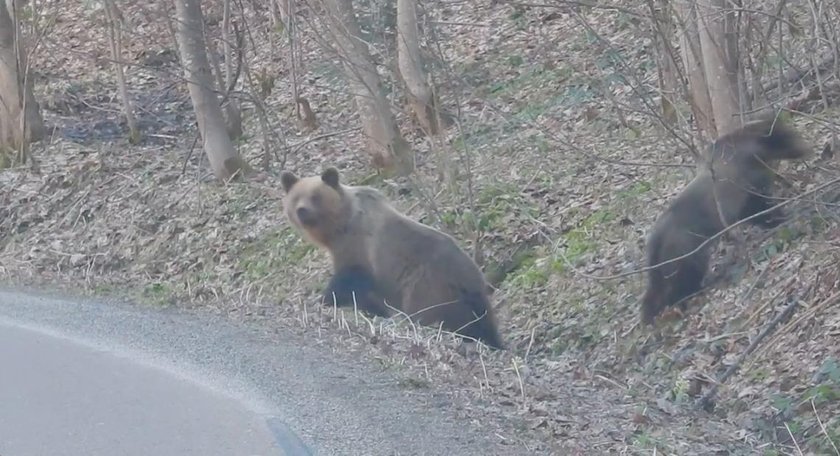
<point>330,177</point>
<point>288,180</point>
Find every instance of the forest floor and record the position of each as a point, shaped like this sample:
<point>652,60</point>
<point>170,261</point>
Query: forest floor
<point>558,165</point>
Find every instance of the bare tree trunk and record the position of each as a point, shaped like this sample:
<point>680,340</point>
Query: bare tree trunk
<point>224,160</point>
<point>667,72</point>
<point>225,77</point>
<point>20,117</point>
<point>737,62</point>
<point>115,36</point>
<point>233,112</point>
<point>280,11</point>
<point>700,100</point>
<point>389,150</point>
<point>291,32</point>
<point>262,116</point>
<point>412,71</point>
<point>718,41</point>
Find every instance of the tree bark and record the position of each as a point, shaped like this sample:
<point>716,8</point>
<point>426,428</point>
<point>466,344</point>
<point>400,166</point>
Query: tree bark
<point>115,37</point>
<point>224,160</point>
<point>280,11</point>
<point>20,116</point>
<point>387,147</point>
<point>233,111</point>
<point>412,70</point>
<point>667,72</point>
<point>699,98</point>
<point>718,41</point>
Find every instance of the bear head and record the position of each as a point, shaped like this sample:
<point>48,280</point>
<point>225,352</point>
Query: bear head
<point>316,205</point>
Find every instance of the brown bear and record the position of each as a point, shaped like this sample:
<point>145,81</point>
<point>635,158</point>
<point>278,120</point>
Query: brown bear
<point>386,263</point>
<point>734,182</point>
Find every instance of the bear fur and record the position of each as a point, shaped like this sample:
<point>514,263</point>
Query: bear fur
<point>734,182</point>
<point>385,263</point>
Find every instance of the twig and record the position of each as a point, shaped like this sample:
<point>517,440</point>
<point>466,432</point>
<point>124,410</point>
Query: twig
<point>483,369</point>
<point>298,146</point>
<point>465,24</point>
<point>530,344</point>
<point>758,311</point>
<point>611,381</point>
<point>822,426</point>
<point>519,378</point>
<point>585,4</point>
<point>708,241</point>
<point>783,315</point>
<point>811,312</point>
<point>793,439</point>
<point>189,154</point>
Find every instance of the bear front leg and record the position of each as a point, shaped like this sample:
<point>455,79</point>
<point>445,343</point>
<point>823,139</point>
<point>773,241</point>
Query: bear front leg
<point>355,286</point>
<point>767,220</point>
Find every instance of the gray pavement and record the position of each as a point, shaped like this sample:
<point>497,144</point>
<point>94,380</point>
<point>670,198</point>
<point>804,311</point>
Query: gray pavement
<point>107,378</point>
<point>58,397</point>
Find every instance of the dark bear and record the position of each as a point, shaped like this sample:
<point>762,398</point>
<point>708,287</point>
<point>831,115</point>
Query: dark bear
<point>735,182</point>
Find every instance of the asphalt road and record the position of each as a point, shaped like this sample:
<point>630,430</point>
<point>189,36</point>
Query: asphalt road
<point>91,378</point>
<point>58,397</point>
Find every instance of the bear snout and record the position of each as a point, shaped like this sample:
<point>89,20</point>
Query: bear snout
<point>306,216</point>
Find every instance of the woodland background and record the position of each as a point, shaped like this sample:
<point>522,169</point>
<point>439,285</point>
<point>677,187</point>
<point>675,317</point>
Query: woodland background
<point>546,137</point>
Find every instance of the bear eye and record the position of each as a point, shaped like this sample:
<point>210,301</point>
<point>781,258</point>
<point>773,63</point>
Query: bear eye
<point>316,199</point>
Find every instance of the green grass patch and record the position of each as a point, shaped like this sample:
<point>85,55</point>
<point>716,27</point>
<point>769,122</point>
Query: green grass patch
<point>635,191</point>
<point>497,205</point>
<point>330,74</point>
<point>157,293</point>
<point>581,240</point>
<point>533,273</point>
<point>538,78</point>
<point>272,252</point>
